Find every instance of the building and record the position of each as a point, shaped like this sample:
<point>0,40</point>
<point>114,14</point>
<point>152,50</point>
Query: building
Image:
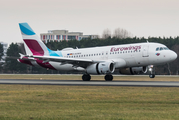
<point>59,35</point>
<point>5,47</point>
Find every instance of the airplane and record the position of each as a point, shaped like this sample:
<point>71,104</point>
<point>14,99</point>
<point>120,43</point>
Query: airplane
<point>130,59</point>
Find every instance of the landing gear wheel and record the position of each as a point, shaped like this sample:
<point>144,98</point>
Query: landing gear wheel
<point>152,75</point>
<point>152,71</point>
<point>86,77</point>
<point>108,77</point>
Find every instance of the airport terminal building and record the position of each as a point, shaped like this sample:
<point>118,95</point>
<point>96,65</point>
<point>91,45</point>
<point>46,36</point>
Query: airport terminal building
<point>59,35</point>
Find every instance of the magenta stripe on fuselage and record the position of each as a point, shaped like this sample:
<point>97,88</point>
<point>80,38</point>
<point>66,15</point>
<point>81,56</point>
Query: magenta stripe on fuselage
<point>45,65</point>
<point>25,62</point>
<point>34,46</point>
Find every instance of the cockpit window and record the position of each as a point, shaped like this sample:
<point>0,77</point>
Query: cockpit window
<point>157,49</point>
<point>165,48</point>
<point>161,48</point>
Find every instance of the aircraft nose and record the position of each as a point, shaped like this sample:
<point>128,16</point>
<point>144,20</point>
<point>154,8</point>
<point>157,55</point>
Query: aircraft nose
<point>173,55</point>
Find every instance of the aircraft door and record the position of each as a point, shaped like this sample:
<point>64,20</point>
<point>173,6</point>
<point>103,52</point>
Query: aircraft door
<point>145,52</point>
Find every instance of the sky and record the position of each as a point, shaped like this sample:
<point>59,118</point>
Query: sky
<point>142,18</point>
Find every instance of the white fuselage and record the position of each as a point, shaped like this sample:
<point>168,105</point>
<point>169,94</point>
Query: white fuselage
<point>134,55</point>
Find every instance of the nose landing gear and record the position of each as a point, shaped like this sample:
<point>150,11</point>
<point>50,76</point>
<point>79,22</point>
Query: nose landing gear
<point>152,75</point>
<point>152,71</point>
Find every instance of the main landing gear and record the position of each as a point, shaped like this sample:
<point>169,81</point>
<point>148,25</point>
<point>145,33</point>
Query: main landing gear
<point>108,77</point>
<point>152,71</point>
<point>87,77</point>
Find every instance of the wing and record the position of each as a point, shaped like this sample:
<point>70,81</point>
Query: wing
<point>75,61</point>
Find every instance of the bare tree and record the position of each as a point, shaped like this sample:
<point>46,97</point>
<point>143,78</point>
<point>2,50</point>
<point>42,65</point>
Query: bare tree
<point>121,33</point>
<point>106,33</point>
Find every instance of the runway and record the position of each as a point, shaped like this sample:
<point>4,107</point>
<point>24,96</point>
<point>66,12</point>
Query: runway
<point>91,83</point>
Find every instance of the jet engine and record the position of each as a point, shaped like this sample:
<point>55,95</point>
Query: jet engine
<point>133,70</point>
<point>101,68</point>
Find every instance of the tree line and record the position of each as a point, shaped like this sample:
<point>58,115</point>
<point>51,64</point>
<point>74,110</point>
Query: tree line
<point>13,66</point>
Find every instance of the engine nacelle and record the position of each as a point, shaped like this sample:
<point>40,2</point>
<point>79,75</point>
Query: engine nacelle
<point>101,68</point>
<point>133,70</point>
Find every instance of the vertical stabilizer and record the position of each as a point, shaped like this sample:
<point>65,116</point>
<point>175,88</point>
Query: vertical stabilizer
<point>33,44</point>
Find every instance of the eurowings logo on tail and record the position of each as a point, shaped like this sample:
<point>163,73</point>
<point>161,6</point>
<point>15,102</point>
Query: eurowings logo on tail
<point>31,40</point>
<point>33,44</point>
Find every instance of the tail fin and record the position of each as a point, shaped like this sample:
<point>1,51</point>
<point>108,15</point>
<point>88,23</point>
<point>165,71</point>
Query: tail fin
<point>33,44</point>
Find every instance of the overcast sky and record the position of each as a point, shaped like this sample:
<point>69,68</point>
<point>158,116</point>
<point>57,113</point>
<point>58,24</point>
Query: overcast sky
<point>143,18</point>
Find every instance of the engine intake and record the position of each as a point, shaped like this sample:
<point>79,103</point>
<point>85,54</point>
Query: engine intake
<point>133,70</point>
<point>101,68</point>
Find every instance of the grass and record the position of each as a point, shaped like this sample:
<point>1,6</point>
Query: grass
<point>38,102</point>
<point>79,77</point>
<point>27,102</point>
